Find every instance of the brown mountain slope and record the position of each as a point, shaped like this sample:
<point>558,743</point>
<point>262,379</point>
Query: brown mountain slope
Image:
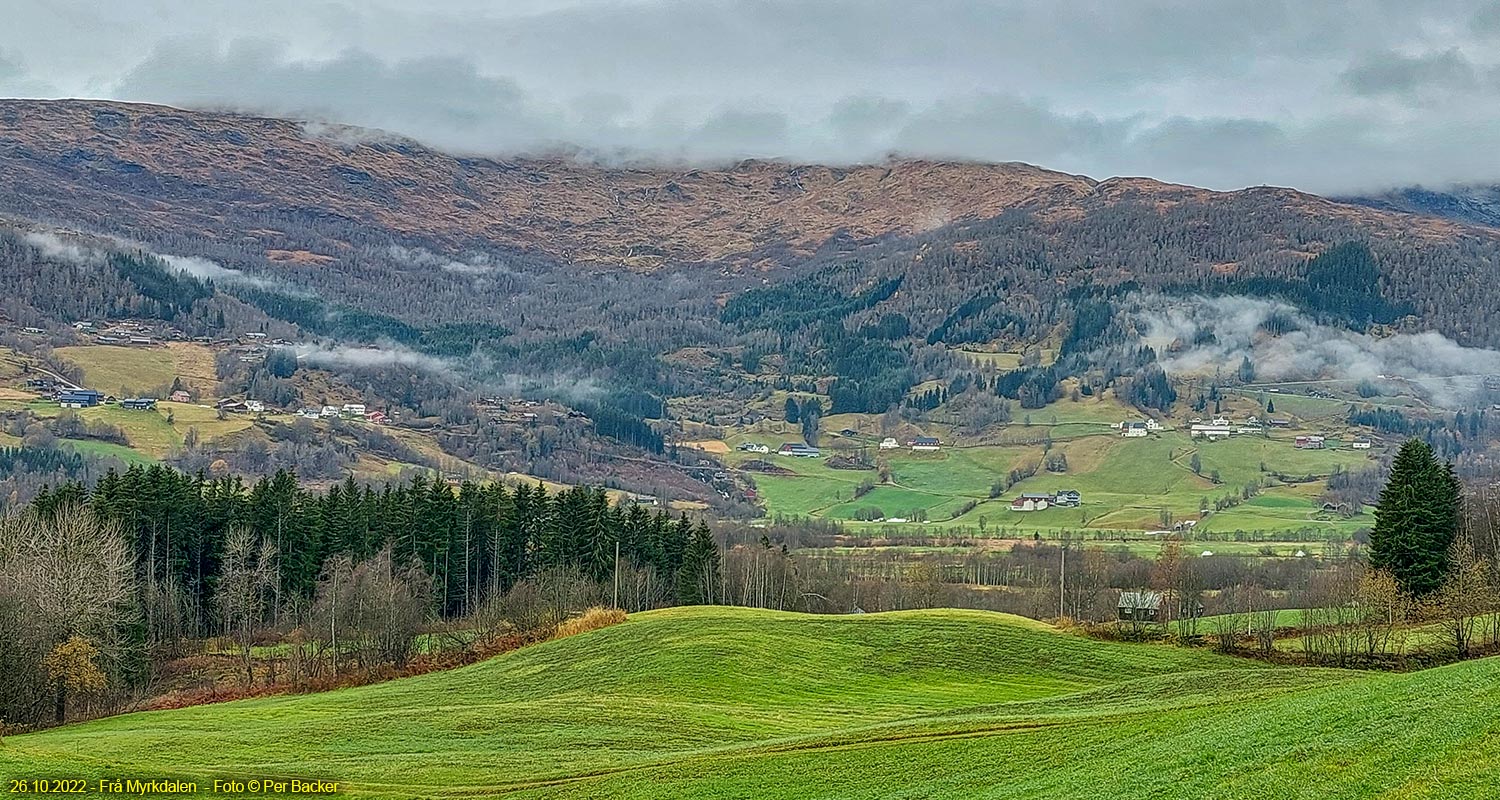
<point>162,168</point>
<point>234,178</point>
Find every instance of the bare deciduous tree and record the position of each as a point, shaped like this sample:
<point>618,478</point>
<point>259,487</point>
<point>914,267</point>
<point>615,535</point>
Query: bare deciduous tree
<point>245,586</point>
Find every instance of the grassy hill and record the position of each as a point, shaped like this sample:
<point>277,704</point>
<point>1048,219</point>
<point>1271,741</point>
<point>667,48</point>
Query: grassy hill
<point>738,703</point>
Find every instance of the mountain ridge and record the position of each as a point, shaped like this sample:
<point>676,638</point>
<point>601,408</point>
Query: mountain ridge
<point>157,168</point>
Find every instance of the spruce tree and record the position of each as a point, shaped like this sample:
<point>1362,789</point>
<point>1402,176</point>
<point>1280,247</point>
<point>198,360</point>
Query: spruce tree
<point>1416,520</point>
<point>698,578</point>
<point>793,410</point>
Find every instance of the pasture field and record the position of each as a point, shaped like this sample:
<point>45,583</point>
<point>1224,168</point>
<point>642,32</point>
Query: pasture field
<point>1127,484</point>
<point>737,703</point>
<point>136,370</point>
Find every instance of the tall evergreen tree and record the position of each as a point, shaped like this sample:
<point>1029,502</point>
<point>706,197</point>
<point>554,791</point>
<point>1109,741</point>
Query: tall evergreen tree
<point>698,578</point>
<point>1416,520</point>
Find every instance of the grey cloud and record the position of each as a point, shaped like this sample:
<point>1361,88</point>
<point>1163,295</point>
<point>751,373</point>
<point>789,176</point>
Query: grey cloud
<point>1486,21</point>
<point>1391,73</point>
<point>444,100</point>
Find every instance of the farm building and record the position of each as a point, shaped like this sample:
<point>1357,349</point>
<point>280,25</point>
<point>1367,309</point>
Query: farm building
<point>1067,497</point>
<point>1147,607</point>
<point>753,447</point>
<point>79,398</point>
<point>799,450</point>
<point>138,403</point>
<point>924,443</point>
<point>180,396</point>
<point>1133,430</point>
<point>889,443</point>
<point>1360,444</point>
<point>1153,425</point>
<point>1032,502</point>
<point>353,409</point>
<point>1214,431</point>
<point>1279,422</point>
<point>376,417</point>
<point>1310,442</point>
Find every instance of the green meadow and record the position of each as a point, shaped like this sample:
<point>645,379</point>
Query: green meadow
<point>1127,484</point>
<point>737,703</point>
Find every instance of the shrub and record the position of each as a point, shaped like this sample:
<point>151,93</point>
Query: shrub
<point>591,619</point>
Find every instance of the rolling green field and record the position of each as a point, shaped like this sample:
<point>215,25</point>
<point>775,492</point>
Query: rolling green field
<point>1127,484</point>
<point>734,703</point>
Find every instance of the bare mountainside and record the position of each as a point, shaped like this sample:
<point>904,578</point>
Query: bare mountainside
<point>148,170</point>
<point>162,168</point>
<point>364,220</point>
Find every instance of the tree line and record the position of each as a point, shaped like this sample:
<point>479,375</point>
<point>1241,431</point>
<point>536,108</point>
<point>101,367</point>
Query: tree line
<point>172,557</point>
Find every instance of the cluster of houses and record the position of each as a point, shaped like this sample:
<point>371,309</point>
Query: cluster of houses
<point>920,444</point>
<point>346,411</point>
<point>1136,429</point>
<point>126,333</point>
<point>1062,498</point>
<point>510,411</point>
<point>1223,428</point>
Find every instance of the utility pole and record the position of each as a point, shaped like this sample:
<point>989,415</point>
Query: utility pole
<point>1062,581</point>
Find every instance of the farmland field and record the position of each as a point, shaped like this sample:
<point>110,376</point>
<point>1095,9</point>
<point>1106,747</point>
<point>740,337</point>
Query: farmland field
<point>137,370</point>
<point>1127,484</point>
<point>712,702</point>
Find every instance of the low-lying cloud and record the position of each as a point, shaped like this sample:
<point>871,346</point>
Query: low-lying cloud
<point>209,270</point>
<point>471,264</point>
<point>69,250</point>
<point>347,357</point>
<point>1200,335</point>
<point>567,388</point>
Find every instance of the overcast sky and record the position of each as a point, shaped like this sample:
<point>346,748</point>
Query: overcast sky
<point>1324,96</point>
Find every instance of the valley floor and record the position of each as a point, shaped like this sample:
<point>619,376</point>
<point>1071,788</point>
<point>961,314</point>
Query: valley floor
<point>716,702</point>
